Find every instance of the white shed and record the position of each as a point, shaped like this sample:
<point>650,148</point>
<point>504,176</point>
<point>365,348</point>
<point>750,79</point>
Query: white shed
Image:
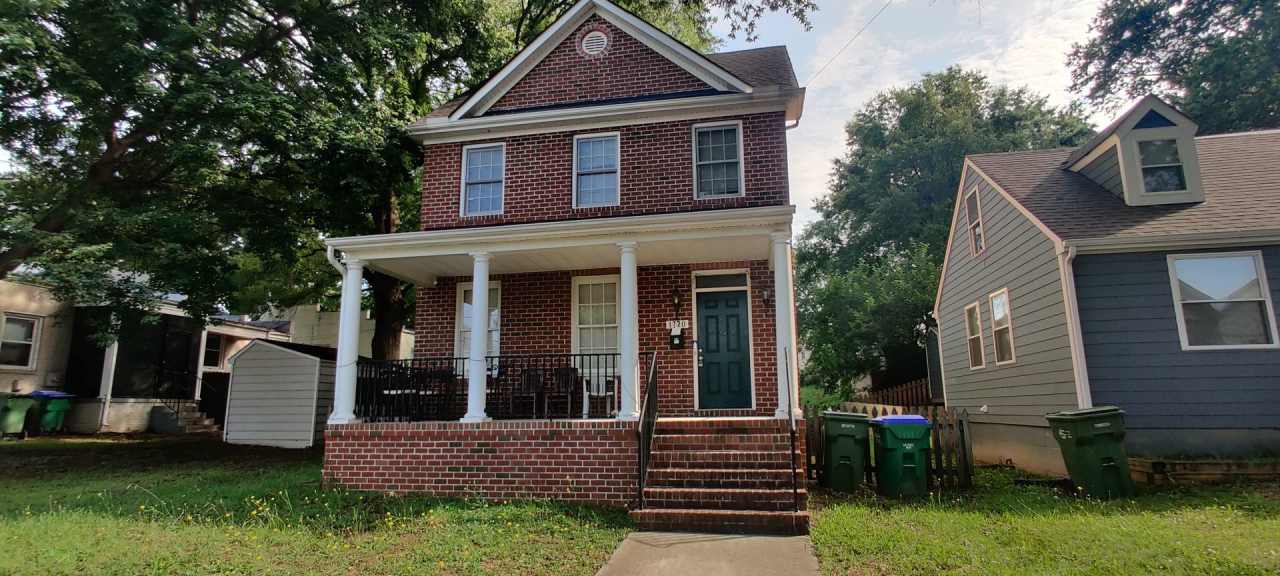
<point>280,394</point>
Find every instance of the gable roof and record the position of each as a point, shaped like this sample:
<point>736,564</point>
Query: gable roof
<point>1125,122</point>
<point>696,64</point>
<point>1241,180</point>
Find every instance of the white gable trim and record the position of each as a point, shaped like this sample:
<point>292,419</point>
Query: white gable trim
<point>549,39</point>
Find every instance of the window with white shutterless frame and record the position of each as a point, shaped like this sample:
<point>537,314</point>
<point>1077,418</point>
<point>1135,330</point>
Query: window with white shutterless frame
<point>1002,327</point>
<point>718,160</point>
<point>595,327</point>
<point>465,325</point>
<point>19,341</point>
<point>483,179</point>
<point>1222,301</point>
<point>973,336</point>
<point>597,170</point>
<point>973,215</point>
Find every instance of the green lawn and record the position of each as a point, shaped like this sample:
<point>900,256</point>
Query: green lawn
<point>183,506</point>
<point>1000,528</point>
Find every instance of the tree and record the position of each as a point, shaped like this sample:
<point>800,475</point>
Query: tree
<point>1218,60</point>
<point>867,269</point>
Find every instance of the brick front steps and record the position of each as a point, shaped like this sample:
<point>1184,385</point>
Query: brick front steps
<point>724,475</point>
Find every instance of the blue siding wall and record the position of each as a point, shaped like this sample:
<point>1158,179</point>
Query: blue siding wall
<point>1136,361</point>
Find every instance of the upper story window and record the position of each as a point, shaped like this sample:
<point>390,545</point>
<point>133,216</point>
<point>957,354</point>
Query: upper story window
<point>1221,300</point>
<point>1002,327</point>
<point>213,350</point>
<point>596,176</point>
<point>18,341</point>
<point>482,176</point>
<point>1161,166</point>
<point>973,333</point>
<point>973,212</point>
<point>718,160</point>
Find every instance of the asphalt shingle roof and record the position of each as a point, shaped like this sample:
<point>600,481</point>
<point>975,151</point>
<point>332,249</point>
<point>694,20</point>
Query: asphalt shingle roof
<point>1240,174</point>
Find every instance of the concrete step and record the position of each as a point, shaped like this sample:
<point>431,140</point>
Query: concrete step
<point>734,459</point>
<point>722,521</point>
<point>724,478</point>
<point>726,499</point>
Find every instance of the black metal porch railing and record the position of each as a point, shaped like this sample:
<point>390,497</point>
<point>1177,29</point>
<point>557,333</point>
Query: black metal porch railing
<point>648,421</point>
<point>522,386</point>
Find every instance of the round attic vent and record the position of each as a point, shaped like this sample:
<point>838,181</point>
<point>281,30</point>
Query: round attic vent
<point>594,42</point>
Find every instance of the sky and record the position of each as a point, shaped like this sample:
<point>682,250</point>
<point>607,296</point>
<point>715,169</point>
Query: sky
<point>1016,42</point>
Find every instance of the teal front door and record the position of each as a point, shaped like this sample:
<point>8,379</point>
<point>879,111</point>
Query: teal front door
<point>724,351</point>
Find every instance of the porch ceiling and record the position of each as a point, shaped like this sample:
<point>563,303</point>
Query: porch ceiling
<point>685,238</point>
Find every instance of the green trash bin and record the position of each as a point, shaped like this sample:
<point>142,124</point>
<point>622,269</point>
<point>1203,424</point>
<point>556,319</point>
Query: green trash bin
<point>847,434</point>
<point>1092,443</point>
<point>52,410</point>
<point>13,415</point>
<point>902,455</point>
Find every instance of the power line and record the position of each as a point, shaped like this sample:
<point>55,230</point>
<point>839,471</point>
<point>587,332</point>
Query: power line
<point>846,44</point>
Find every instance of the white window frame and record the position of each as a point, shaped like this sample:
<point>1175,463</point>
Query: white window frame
<point>1182,164</point>
<point>578,281</point>
<point>1259,268</point>
<point>462,349</point>
<point>982,343</point>
<point>617,141</point>
<point>970,224</point>
<point>995,344</point>
<point>751,337</point>
<point>742,159</point>
<point>36,331</point>
<point>462,181</point>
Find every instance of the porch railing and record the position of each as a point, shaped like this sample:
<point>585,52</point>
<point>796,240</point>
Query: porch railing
<point>522,386</point>
<point>648,421</point>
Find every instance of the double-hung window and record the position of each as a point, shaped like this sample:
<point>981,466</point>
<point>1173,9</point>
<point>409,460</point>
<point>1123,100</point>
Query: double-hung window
<point>18,341</point>
<point>212,350</point>
<point>973,334</point>
<point>595,325</point>
<point>973,212</point>
<point>1161,166</point>
<point>1222,300</point>
<point>482,179</point>
<point>466,322</point>
<point>1002,327</point>
<point>717,159</point>
<point>595,170</point>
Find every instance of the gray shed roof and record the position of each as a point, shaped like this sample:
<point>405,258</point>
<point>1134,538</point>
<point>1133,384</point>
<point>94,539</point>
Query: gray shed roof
<point>1241,180</point>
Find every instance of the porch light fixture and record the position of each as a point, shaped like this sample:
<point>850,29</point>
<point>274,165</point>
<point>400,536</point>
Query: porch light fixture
<point>677,298</point>
<point>766,294</point>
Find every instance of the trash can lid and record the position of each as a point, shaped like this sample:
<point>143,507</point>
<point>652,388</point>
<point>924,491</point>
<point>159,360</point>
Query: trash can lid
<point>51,394</point>
<point>902,420</point>
<point>1085,413</point>
<point>845,415</point>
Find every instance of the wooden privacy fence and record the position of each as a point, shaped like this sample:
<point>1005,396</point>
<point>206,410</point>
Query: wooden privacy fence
<point>914,393</point>
<point>951,453</point>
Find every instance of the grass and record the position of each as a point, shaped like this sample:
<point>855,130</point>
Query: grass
<point>1000,528</point>
<point>184,506</point>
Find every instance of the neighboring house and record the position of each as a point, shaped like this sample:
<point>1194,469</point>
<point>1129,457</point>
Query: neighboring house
<point>617,205</point>
<point>1138,270</point>
<point>308,324</point>
<point>35,334</point>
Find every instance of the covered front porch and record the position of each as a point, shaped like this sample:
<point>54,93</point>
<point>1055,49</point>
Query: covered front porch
<point>577,310</point>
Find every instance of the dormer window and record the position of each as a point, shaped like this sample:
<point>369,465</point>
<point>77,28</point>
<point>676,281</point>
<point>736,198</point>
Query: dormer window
<point>1161,166</point>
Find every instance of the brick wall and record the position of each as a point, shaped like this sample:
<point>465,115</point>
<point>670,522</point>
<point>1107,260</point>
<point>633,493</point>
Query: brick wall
<point>627,68</point>
<point>657,174</point>
<point>537,318</point>
<point>586,461</point>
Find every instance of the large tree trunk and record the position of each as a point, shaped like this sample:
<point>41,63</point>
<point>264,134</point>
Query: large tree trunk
<point>388,315</point>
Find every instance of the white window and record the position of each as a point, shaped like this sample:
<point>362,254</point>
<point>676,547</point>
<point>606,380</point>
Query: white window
<point>973,212</point>
<point>482,175</point>
<point>465,313</point>
<point>1161,166</point>
<point>19,339</point>
<point>973,333</point>
<point>595,327</point>
<point>717,159</point>
<point>1222,301</point>
<point>1002,327</point>
<point>595,170</point>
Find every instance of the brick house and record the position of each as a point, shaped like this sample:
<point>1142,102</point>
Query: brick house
<point>617,203</point>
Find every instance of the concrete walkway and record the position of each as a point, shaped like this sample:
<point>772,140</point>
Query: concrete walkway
<point>646,553</point>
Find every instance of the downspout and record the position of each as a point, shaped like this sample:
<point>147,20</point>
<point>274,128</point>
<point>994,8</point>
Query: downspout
<point>333,260</point>
<point>1066,259</point>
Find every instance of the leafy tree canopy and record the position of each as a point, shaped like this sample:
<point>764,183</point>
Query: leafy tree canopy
<point>868,267</point>
<point>1218,60</point>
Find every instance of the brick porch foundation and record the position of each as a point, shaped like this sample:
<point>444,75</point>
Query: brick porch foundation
<point>592,461</point>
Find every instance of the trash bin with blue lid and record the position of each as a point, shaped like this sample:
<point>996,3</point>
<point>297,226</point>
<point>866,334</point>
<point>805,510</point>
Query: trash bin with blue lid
<point>902,455</point>
<point>53,407</point>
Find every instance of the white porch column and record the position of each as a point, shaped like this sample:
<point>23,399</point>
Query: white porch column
<point>344,378</point>
<point>477,369</point>
<point>628,335</point>
<point>784,315</point>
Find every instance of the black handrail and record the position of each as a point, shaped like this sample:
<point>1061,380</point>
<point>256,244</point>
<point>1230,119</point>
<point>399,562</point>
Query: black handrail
<point>648,421</point>
<point>791,418</point>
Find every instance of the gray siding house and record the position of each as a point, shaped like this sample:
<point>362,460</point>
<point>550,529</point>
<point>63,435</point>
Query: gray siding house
<point>1139,270</point>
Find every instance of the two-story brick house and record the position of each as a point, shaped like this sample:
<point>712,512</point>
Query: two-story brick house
<point>617,202</point>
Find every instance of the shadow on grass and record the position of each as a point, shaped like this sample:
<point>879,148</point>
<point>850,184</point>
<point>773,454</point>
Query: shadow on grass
<point>202,480</point>
<point>994,492</point>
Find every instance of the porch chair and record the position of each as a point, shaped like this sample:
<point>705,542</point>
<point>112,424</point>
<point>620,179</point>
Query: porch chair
<point>529,389</point>
<point>565,382</point>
